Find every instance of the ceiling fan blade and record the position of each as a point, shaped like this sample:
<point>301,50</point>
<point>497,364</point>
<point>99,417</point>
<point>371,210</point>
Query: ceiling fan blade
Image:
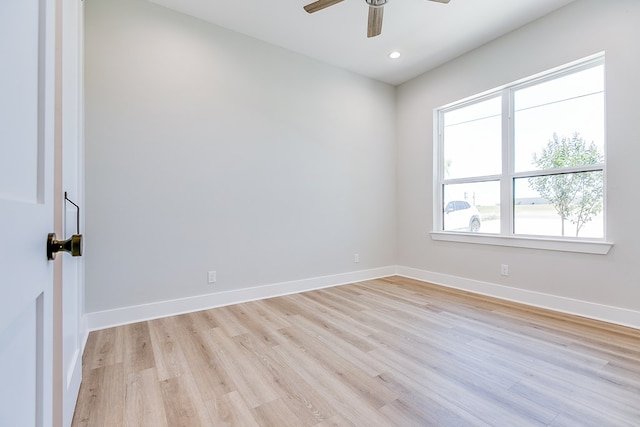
<point>374,27</point>
<point>441,1</point>
<point>320,4</point>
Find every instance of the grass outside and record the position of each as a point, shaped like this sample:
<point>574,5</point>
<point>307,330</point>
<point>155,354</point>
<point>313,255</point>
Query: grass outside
<point>539,220</point>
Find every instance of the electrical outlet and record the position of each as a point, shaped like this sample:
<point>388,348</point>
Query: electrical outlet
<point>356,258</point>
<point>211,277</point>
<point>504,269</point>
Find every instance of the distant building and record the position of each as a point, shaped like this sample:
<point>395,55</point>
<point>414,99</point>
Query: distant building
<point>532,201</point>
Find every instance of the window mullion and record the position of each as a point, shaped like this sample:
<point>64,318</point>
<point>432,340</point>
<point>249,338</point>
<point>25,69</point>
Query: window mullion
<point>506,181</point>
<point>472,179</point>
<point>557,171</point>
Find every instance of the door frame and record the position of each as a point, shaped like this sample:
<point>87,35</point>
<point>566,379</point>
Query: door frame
<point>68,35</point>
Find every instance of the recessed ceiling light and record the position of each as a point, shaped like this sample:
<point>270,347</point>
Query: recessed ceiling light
<point>394,55</point>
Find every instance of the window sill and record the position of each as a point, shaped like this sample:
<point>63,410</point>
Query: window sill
<point>580,246</point>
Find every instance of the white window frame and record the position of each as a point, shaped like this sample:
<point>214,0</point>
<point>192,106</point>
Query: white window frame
<point>508,175</point>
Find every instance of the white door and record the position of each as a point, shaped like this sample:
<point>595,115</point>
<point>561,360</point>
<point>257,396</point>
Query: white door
<point>26,210</point>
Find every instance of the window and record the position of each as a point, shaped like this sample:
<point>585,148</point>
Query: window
<point>526,160</point>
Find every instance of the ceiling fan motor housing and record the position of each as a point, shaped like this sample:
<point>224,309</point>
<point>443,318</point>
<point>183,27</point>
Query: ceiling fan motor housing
<point>376,3</point>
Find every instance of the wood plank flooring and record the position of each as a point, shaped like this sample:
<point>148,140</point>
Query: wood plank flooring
<point>386,352</point>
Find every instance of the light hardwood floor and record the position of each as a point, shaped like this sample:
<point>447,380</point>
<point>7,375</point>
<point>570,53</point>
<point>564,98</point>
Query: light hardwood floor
<point>387,352</point>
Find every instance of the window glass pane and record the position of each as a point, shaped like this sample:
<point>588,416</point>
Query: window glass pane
<point>542,202</point>
<point>472,207</point>
<point>472,140</point>
<point>568,108</point>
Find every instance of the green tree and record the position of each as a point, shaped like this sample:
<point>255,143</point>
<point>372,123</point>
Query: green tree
<point>575,196</point>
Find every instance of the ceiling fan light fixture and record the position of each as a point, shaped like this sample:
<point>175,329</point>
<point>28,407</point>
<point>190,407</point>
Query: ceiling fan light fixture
<point>395,54</point>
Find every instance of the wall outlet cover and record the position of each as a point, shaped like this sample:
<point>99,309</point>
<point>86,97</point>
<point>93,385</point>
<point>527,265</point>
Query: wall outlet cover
<point>211,277</point>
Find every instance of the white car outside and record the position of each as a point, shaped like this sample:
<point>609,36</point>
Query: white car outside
<point>459,215</point>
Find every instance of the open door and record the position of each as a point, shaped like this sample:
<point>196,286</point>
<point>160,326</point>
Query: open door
<point>68,328</point>
<point>27,111</point>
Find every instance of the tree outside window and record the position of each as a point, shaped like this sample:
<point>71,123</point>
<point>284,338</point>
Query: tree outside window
<point>576,197</point>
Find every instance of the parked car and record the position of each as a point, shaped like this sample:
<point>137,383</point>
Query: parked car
<point>459,215</point>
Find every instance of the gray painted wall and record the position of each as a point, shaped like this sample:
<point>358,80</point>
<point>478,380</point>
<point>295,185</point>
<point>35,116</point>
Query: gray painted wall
<point>209,150</point>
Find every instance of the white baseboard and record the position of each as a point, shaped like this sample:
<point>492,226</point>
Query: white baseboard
<point>125,315</point>
<point>591,310</point>
<point>138,313</point>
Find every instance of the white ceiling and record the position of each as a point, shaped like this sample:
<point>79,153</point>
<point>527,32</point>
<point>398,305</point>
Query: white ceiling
<point>425,32</point>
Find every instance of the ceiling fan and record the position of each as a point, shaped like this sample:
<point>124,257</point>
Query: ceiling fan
<point>376,9</point>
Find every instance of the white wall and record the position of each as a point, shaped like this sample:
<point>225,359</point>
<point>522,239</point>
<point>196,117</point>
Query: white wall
<point>578,30</point>
<point>209,150</point>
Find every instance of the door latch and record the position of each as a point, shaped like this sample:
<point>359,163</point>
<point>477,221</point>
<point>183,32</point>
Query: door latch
<point>72,245</point>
